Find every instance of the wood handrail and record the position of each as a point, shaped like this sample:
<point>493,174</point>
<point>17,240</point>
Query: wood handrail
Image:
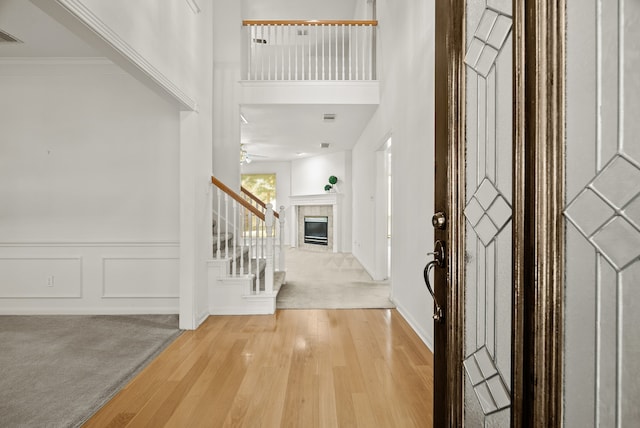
<point>237,197</point>
<point>252,196</point>
<point>352,23</point>
<point>257,200</point>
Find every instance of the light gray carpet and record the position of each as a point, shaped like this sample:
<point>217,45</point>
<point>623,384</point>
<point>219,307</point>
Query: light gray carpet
<point>57,371</point>
<point>325,280</point>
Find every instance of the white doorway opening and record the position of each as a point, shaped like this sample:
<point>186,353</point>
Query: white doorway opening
<point>384,211</point>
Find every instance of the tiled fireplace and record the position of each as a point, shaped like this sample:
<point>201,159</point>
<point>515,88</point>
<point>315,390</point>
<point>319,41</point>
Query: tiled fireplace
<point>314,208</point>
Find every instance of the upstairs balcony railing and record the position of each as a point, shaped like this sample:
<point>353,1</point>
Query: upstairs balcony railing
<point>310,50</point>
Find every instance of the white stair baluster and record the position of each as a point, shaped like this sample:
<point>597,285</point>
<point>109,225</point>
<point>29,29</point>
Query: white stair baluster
<point>226,226</point>
<point>308,30</point>
<point>322,38</point>
<point>268,272</point>
<point>371,53</point>
<point>330,67</point>
<point>357,47</point>
<point>350,54</point>
<point>269,28</point>
<point>249,47</point>
<point>234,261</point>
<point>241,232</point>
<point>343,52</point>
<point>281,260</point>
<point>219,192</point>
<point>289,48</point>
<point>335,31</point>
<point>250,240</point>
<point>258,246</point>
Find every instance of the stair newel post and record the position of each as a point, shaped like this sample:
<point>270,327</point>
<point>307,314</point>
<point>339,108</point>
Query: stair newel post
<point>268,273</point>
<point>281,259</point>
<point>219,192</point>
<point>226,225</point>
<point>234,260</point>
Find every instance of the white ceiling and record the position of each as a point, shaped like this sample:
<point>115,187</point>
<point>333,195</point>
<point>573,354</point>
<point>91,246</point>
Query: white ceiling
<point>41,35</point>
<point>286,132</point>
<point>274,132</point>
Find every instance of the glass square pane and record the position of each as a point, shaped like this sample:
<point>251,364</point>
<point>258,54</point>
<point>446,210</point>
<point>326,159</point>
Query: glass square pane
<point>588,211</point>
<point>473,371</point>
<point>473,53</point>
<point>486,24</point>
<point>618,182</point>
<point>499,32</point>
<point>499,392</point>
<point>619,241</point>
<point>485,363</point>
<point>484,396</point>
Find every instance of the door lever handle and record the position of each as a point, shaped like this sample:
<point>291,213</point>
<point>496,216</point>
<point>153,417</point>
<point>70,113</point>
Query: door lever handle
<point>439,257</point>
<point>438,314</point>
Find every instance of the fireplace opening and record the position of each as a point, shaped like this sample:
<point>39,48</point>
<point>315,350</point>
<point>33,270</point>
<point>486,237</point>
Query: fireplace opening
<point>316,230</point>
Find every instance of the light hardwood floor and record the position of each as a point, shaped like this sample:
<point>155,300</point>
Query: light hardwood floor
<point>297,368</point>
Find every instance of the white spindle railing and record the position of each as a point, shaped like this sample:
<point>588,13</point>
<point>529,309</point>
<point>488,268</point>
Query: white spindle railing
<point>310,50</point>
<point>253,228</point>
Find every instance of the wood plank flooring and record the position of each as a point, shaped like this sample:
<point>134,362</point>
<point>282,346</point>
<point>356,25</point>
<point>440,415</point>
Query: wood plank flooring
<point>297,368</point>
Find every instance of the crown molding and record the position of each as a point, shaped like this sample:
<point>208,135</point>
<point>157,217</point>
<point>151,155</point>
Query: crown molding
<point>106,33</point>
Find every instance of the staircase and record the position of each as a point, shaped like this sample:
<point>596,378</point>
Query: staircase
<point>246,270</point>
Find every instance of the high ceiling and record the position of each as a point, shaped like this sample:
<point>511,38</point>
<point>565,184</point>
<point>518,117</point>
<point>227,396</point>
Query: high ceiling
<point>41,36</point>
<point>286,132</point>
<point>279,132</point>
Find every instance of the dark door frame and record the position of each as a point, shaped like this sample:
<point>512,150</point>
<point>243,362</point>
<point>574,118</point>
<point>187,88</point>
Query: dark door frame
<point>538,227</point>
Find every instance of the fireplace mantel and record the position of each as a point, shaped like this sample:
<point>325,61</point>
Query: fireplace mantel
<point>329,198</point>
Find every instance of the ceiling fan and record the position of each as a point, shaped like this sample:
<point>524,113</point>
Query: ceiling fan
<point>246,157</point>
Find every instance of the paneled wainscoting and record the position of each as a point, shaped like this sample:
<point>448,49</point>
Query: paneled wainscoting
<point>89,277</point>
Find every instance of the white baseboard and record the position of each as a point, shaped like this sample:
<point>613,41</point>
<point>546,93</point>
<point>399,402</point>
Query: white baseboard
<point>422,334</point>
<point>201,318</point>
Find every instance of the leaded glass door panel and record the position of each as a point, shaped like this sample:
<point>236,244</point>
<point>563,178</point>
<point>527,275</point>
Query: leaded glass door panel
<point>488,239</point>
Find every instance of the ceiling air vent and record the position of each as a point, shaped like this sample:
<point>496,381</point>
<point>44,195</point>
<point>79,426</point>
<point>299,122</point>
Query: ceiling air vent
<point>329,117</point>
<point>8,38</point>
<point>324,145</point>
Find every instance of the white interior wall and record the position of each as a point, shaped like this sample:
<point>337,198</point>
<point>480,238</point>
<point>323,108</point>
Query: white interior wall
<point>310,175</point>
<point>227,51</point>
<point>282,170</point>
<point>166,38</point>
<point>406,67</point>
<point>299,9</point>
<point>89,178</point>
